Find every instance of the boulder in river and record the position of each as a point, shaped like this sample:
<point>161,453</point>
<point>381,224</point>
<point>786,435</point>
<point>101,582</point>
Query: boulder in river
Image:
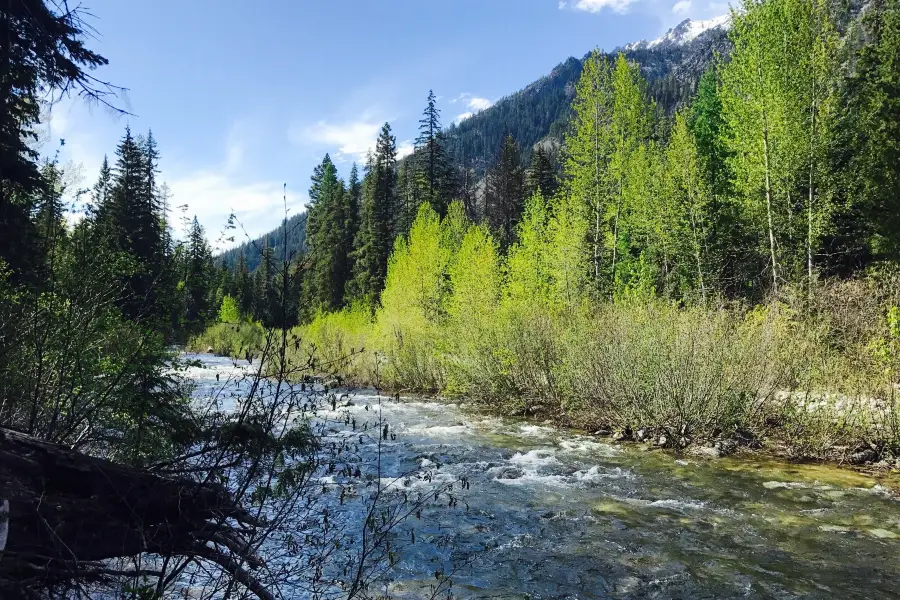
<point>510,473</point>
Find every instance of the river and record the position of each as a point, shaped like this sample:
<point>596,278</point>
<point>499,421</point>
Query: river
<point>554,514</point>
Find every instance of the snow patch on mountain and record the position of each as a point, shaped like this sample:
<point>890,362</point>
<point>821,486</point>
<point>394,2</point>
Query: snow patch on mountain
<point>683,33</point>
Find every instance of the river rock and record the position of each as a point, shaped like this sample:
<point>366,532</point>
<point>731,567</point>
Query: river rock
<point>725,447</point>
<point>603,432</point>
<point>662,441</point>
<point>510,473</point>
<point>863,456</point>
<point>621,436</point>
<point>209,349</point>
<point>708,452</point>
<point>642,435</point>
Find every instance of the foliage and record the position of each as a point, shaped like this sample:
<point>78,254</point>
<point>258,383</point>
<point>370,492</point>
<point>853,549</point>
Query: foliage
<point>229,311</point>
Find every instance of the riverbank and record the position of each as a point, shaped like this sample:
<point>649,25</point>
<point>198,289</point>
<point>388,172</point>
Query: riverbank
<point>693,381</point>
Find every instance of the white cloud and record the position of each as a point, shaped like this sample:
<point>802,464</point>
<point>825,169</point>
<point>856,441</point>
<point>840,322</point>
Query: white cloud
<point>595,6</point>
<point>562,4</point>
<point>405,149</point>
<point>682,7</point>
<point>353,139</point>
<point>473,103</point>
<point>212,195</point>
<point>477,103</point>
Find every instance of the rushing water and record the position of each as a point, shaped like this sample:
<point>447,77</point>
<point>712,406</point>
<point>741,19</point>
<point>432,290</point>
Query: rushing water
<point>553,514</point>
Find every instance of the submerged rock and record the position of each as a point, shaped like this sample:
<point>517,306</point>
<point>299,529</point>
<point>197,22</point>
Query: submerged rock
<point>510,473</point>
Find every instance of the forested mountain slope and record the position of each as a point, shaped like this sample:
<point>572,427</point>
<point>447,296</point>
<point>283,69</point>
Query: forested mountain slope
<point>537,112</point>
<point>542,108</point>
<point>294,231</point>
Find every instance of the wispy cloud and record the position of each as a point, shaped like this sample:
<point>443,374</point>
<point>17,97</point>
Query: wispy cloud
<point>353,139</point>
<point>682,7</point>
<point>596,6</point>
<point>404,148</point>
<point>473,103</point>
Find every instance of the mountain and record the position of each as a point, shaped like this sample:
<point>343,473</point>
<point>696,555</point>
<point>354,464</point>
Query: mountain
<point>683,33</point>
<point>290,234</point>
<point>671,64</point>
<point>539,113</point>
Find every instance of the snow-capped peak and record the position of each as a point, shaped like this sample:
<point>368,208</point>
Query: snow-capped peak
<point>683,33</point>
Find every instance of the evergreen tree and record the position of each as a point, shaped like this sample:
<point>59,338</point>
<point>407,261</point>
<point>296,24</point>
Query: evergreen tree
<point>133,220</point>
<point>49,215</point>
<point>199,302</point>
<point>243,287</point>
<point>328,240</point>
<point>866,153</point>
<point>102,189</point>
<point>407,197</point>
<point>505,193</point>
<point>541,174</point>
<point>264,287</point>
<point>375,239</point>
<point>431,158</point>
<point>42,49</point>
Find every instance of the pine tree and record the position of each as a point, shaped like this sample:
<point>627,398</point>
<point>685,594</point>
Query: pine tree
<point>865,155</point>
<point>541,174</point>
<point>198,280</point>
<point>407,197</point>
<point>431,158</point>
<point>505,194</point>
<point>133,225</point>
<point>243,287</point>
<point>49,216</point>
<point>264,286</point>
<point>375,239</point>
<point>43,49</point>
<point>328,240</point>
<point>102,189</point>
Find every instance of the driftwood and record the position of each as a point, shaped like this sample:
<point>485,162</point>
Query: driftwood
<point>69,513</point>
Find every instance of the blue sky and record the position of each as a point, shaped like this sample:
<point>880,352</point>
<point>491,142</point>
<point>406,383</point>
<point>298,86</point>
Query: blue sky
<point>245,96</point>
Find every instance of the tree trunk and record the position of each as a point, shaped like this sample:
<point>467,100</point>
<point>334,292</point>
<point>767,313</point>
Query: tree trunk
<point>69,511</point>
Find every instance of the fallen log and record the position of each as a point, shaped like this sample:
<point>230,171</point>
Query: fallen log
<point>70,512</point>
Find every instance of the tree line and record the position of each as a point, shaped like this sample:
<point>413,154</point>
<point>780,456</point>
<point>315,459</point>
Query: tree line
<point>782,170</point>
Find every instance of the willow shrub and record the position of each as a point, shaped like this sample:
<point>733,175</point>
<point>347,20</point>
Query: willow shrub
<point>230,339</point>
<point>522,335</point>
<point>338,343</point>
